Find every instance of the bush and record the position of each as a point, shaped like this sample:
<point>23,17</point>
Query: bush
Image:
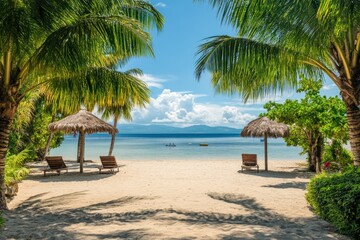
<point>336,198</point>
<point>336,157</point>
<point>15,171</point>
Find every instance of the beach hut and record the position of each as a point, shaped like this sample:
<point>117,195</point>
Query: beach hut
<point>83,122</point>
<point>264,127</point>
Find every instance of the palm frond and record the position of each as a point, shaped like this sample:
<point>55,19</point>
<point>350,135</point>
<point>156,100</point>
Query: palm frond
<point>73,48</point>
<point>144,13</point>
<point>116,112</point>
<point>251,68</point>
<point>292,37</point>
<point>296,26</point>
<point>97,86</point>
<point>25,111</point>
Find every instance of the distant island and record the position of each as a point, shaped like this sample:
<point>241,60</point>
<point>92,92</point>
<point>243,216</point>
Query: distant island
<point>163,129</point>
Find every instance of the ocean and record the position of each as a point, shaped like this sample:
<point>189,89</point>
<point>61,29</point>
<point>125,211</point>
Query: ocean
<point>153,147</point>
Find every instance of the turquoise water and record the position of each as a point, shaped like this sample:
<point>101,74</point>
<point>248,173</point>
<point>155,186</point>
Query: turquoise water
<point>152,146</point>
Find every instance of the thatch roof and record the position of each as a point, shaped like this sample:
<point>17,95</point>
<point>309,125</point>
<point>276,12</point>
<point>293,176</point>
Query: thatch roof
<point>260,126</point>
<point>83,120</point>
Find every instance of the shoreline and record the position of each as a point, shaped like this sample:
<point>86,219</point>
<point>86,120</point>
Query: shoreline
<point>186,148</point>
<point>159,199</point>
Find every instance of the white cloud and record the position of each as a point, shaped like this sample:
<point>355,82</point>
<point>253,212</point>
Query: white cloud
<point>160,4</point>
<point>152,81</point>
<point>181,109</point>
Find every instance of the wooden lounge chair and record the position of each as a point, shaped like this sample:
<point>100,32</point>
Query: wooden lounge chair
<point>249,161</point>
<point>108,162</point>
<point>56,164</point>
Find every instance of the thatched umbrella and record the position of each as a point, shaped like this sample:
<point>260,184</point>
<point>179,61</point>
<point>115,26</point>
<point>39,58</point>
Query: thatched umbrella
<point>264,127</point>
<point>83,122</point>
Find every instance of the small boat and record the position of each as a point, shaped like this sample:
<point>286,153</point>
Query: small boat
<point>204,144</point>
<point>170,145</point>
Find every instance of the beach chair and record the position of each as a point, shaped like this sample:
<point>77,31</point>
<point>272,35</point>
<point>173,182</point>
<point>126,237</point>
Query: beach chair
<point>249,161</point>
<point>56,164</point>
<point>108,162</point>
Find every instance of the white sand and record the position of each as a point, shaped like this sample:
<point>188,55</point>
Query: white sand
<point>182,199</point>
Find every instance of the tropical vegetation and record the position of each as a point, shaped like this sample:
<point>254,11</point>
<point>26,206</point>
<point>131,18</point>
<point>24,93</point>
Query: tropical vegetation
<point>336,197</point>
<point>61,43</point>
<point>314,120</point>
<point>336,157</point>
<point>15,171</point>
<point>94,94</point>
<point>28,130</point>
<point>277,41</point>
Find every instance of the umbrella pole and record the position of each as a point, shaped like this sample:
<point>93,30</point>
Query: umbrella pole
<point>266,152</point>
<point>82,148</point>
<point>78,149</point>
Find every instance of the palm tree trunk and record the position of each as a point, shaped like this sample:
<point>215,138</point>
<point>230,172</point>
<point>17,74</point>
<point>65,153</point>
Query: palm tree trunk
<point>5,129</point>
<point>113,137</point>
<point>48,142</point>
<point>112,144</point>
<point>47,147</point>
<point>353,118</point>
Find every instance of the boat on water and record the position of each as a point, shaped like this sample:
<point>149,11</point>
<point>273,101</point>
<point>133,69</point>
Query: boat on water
<point>204,144</point>
<point>170,145</point>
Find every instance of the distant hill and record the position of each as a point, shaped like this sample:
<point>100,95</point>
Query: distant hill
<point>161,129</point>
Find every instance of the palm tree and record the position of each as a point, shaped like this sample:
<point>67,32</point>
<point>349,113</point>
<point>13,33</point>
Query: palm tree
<point>118,110</point>
<point>115,96</point>
<point>279,40</point>
<point>46,40</point>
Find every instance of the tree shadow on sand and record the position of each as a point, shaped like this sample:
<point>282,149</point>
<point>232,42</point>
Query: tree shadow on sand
<point>278,226</point>
<point>39,218</point>
<point>48,218</point>
<point>279,174</point>
<point>297,185</point>
<point>73,175</point>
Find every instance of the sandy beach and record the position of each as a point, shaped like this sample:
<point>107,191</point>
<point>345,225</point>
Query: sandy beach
<point>182,199</point>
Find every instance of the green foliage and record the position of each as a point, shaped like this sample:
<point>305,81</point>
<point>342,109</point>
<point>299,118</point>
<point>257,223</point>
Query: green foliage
<point>336,157</point>
<point>277,41</point>
<point>33,134</point>
<point>311,119</point>
<point>115,89</point>
<point>42,42</point>
<point>335,198</point>
<point>313,112</point>
<point>15,170</point>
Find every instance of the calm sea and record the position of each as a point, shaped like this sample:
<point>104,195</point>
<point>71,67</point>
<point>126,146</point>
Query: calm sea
<point>153,146</point>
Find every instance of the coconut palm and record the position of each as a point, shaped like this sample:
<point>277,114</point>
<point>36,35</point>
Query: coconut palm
<point>115,96</point>
<point>46,40</point>
<point>117,110</point>
<point>279,40</point>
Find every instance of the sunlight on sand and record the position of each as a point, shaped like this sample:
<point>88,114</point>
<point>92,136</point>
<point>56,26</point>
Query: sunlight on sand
<point>179,199</point>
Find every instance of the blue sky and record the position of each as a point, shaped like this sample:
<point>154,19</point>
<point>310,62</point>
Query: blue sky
<point>178,99</point>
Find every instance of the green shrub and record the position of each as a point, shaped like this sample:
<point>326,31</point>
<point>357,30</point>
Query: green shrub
<point>15,169</point>
<point>336,157</point>
<point>336,198</point>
